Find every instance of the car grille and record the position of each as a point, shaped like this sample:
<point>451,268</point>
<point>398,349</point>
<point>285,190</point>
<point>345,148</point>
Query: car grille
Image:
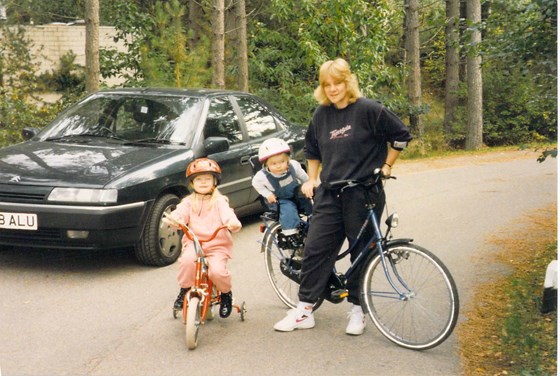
<point>24,194</point>
<point>40,235</point>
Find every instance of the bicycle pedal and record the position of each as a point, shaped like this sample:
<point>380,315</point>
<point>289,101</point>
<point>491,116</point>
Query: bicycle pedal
<point>338,296</point>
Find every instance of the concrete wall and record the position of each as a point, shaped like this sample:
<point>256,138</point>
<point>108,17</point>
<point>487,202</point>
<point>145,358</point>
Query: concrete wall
<point>51,42</point>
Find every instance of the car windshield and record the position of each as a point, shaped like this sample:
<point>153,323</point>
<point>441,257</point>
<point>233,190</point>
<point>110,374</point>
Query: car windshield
<point>128,118</point>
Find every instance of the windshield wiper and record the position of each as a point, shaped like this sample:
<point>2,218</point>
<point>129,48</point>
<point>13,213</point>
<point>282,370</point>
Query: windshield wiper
<point>74,136</point>
<point>154,141</point>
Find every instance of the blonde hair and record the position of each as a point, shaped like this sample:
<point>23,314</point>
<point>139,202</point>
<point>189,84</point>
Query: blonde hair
<point>194,197</point>
<point>338,70</point>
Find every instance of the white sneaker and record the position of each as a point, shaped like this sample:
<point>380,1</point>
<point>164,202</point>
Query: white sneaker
<point>357,322</point>
<point>295,320</point>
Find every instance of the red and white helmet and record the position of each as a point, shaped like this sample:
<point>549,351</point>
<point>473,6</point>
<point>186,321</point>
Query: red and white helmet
<point>204,166</point>
<point>272,147</point>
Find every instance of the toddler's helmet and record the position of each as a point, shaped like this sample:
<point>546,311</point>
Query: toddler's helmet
<point>271,147</point>
<point>204,166</point>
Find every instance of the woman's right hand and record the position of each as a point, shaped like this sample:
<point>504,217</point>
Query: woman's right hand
<point>307,188</point>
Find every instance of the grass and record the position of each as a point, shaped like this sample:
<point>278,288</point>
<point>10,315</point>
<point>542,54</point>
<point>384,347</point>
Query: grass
<point>505,333</point>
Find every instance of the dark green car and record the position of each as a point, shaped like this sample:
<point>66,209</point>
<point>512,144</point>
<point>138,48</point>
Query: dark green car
<point>102,174</point>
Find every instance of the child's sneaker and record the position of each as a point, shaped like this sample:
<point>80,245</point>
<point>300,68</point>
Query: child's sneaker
<point>295,319</point>
<point>225,304</point>
<point>180,299</point>
<point>357,322</point>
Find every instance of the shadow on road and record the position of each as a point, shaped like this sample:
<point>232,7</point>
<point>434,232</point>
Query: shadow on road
<point>66,260</point>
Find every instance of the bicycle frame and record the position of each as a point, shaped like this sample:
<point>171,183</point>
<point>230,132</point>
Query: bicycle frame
<point>203,286</point>
<point>380,243</point>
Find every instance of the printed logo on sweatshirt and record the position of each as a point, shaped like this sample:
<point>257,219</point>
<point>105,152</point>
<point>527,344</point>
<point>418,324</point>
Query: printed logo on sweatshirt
<point>341,133</point>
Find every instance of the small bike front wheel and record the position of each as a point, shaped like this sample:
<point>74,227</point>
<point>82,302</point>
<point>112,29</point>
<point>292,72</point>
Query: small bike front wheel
<point>193,323</point>
<point>282,267</point>
<point>425,311</point>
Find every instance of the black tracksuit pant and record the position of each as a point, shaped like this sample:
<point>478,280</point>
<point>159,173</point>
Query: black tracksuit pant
<point>336,216</point>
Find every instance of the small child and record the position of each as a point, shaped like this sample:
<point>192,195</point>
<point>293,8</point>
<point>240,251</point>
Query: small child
<point>278,182</point>
<point>203,211</point>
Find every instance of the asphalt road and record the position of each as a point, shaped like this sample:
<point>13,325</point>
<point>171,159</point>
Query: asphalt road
<point>85,313</point>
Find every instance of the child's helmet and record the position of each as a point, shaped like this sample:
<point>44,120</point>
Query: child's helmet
<point>272,147</point>
<point>204,166</point>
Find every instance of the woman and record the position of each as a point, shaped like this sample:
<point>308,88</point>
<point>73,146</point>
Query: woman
<point>348,138</point>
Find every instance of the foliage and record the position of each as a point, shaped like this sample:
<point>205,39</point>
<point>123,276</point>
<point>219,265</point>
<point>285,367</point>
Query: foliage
<point>67,78</point>
<point>288,44</point>
<point>157,52</point>
<point>42,12</point>
<point>520,74</point>
<point>17,84</point>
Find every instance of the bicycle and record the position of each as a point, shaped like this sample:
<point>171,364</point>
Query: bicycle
<point>202,297</point>
<point>406,290</point>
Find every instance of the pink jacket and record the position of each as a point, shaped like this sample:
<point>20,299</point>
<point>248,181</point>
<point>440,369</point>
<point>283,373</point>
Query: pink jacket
<point>203,221</point>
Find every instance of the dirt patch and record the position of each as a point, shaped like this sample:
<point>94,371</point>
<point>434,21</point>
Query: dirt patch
<point>487,345</point>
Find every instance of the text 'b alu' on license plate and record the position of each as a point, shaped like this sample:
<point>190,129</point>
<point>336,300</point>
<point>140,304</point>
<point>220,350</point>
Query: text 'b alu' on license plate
<point>18,221</point>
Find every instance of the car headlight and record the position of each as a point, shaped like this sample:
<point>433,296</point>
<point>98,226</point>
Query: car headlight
<point>84,195</point>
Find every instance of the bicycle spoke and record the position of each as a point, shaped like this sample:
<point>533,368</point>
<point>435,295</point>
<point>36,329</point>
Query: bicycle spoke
<point>427,314</point>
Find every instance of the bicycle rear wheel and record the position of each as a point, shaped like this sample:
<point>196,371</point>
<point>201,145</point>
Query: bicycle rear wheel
<point>426,313</point>
<point>279,264</point>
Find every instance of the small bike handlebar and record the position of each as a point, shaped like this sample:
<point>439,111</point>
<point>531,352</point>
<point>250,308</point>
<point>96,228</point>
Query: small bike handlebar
<point>191,236</point>
<point>187,231</point>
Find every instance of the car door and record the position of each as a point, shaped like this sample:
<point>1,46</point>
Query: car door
<point>223,121</point>
<point>260,124</point>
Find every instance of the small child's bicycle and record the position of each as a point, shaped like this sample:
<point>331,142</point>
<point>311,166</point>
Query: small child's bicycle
<point>202,297</point>
<point>405,289</point>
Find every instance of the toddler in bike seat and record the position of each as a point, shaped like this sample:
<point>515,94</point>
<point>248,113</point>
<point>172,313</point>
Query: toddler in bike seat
<point>203,211</point>
<point>278,182</point>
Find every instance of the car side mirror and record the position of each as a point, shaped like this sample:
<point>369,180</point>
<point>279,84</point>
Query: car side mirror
<point>214,145</point>
<point>29,132</point>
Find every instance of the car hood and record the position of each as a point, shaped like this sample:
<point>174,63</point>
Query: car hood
<point>65,164</point>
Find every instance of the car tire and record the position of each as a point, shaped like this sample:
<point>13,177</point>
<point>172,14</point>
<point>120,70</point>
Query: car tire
<point>160,244</point>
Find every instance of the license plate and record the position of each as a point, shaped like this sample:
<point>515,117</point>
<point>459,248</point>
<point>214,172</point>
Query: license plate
<point>18,221</point>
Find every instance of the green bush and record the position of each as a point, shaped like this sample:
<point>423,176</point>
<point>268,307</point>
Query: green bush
<point>516,110</point>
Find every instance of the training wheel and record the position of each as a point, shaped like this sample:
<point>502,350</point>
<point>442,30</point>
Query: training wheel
<point>242,311</point>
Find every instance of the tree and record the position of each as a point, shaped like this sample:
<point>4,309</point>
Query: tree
<point>412,47</point>
<point>451,64</point>
<point>474,79</point>
<point>92,45</point>
<point>242,56</point>
<point>218,44</point>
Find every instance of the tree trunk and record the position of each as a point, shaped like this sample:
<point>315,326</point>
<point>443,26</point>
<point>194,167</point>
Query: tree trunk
<point>92,45</point>
<point>412,47</point>
<point>474,80</point>
<point>218,36</point>
<point>242,55</point>
<point>451,64</point>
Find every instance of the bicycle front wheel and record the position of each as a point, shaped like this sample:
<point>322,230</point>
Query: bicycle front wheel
<point>193,323</point>
<point>424,311</point>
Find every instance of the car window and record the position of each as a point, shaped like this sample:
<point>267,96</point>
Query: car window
<point>129,117</point>
<point>222,121</point>
<point>259,121</point>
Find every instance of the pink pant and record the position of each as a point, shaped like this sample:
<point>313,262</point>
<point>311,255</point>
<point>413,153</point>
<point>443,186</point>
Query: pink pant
<point>217,268</point>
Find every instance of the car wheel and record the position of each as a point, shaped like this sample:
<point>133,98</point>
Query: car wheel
<point>160,244</point>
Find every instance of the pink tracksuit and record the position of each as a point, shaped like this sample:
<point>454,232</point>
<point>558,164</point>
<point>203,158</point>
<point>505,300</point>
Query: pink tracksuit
<point>203,219</point>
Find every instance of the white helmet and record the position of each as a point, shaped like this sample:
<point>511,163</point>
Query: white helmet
<point>272,147</point>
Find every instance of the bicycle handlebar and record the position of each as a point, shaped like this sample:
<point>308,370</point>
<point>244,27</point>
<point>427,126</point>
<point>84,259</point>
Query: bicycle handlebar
<point>343,184</point>
<point>187,231</point>
<point>191,235</point>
